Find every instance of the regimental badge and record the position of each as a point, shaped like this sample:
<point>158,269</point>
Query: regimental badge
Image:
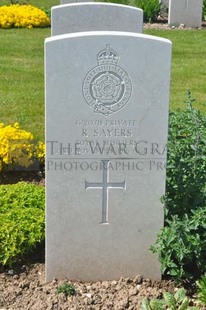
<point>107,87</point>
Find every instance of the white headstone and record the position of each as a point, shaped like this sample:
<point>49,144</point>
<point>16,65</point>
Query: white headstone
<point>106,129</point>
<point>99,16</point>
<point>187,12</point>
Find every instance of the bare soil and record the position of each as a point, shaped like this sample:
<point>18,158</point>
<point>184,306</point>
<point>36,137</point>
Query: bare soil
<point>24,288</point>
<point>28,291</point>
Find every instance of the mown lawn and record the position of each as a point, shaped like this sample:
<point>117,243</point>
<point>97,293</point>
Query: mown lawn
<point>22,71</point>
<point>22,78</point>
<point>188,65</point>
<point>46,4</point>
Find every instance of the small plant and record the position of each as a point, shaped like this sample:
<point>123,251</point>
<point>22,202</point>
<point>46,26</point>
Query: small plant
<point>201,289</point>
<point>67,289</point>
<point>153,304</point>
<point>178,301</point>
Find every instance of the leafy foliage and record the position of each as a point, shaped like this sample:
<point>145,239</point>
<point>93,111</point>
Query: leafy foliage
<point>154,304</point>
<point>186,178</point>
<point>204,10</point>
<point>21,219</point>
<point>201,289</point>
<point>178,301</point>
<point>181,244</point>
<point>151,9</point>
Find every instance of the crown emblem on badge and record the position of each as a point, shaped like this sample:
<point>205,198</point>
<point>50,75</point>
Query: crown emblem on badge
<point>107,56</point>
<point>107,87</point>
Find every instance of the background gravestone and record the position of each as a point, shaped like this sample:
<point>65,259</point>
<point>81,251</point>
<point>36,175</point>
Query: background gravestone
<point>187,12</point>
<point>106,129</point>
<point>99,16</point>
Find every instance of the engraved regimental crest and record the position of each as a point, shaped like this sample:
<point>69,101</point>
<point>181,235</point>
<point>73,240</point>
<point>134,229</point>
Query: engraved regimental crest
<point>107,87</point>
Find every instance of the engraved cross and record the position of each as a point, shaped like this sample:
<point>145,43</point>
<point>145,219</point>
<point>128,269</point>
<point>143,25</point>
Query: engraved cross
<point>105,185</point>
<point>186,5</point>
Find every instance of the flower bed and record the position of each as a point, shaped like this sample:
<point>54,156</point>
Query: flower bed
<point>22,16</point>
<point>18,148</point>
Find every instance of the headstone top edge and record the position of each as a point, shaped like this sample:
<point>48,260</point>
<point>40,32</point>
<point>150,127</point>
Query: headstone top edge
<point>96,4</point>
<point>106,33</point>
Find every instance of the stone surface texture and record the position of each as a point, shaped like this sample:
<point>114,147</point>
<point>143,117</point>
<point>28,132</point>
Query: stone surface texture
<point>106,129</point>
<point>79,17</point>
<point>187,12</point>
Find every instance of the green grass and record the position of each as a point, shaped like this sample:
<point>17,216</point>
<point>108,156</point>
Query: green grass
<point>22,78</point>
<point>22,74</point>
<point>46,4</point>
<point>22,71</point>
<point>188,66</point>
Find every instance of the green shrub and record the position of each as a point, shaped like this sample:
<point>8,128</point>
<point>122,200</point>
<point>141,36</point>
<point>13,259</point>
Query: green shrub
<point>181,244</point>
<point>151,9</point>
<point>186,178</point>
<point>21,219</point>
